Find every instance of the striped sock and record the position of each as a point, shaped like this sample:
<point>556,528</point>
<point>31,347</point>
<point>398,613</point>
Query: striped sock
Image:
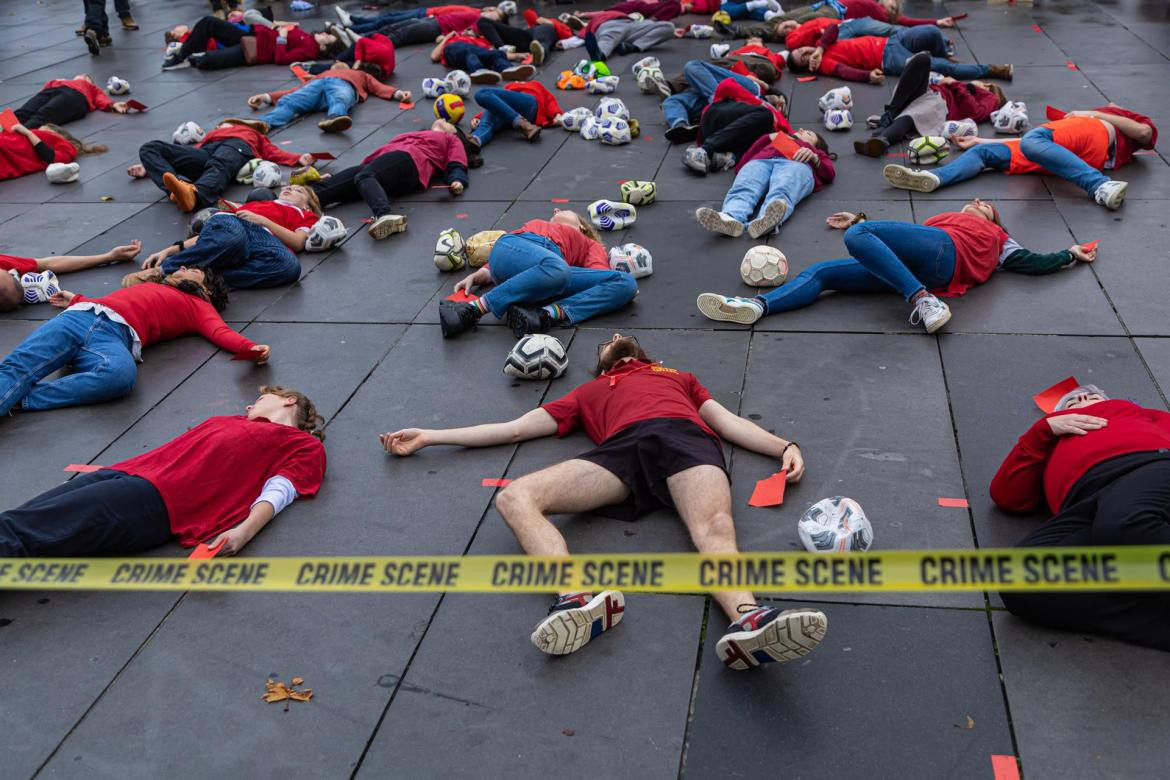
<point>556,312</point>
<point>480,306</point>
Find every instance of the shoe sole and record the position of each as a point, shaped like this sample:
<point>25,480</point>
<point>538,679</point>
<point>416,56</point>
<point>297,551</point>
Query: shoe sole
<point>773,214</point>
<point>486,78</point>
<point>519,73</point>
<point>568,630</point>
<point>908,180</point>
<point>338,125</point>
<point>179,193</point>
<point>379,230</point>
<point>713,308</point>
<point>794,634</point>
<point>938,324</point>
<point>536,49</point>
<point>711,220</point>
<point>870,147</point>
<point>1117,198</point>
<point>91,43</point>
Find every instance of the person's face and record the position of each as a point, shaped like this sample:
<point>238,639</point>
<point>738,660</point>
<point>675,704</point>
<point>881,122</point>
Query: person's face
<point>324,39</point>
<point>808,136</point>
<point>755,40</point>
<point>1084,399</point>
<point>980,208</point>
<point>269,406</point>
<point>491,12</point>
<point>566,217</point>
<point>189,274</point>
<point>801,54</point>
<point>179,30</point>
<point>83,77</point>
<point>296,194</point>
<point>617,345</point>
<point>11,293</point>
<point>786,27</point>
<point>443,126</point>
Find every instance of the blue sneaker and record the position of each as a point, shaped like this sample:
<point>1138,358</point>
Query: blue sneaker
<point>577,618</point>
<point>766,634</point>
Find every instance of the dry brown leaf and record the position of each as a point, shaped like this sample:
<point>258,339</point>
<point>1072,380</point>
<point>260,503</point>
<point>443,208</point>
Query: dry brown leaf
<point>298,681</point>
<point>275,691</point>
<point>970,722</point>
<point>568,732</point>
<point>304,695</point>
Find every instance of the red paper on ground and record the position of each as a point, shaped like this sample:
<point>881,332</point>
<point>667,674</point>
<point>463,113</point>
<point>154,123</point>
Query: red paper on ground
<point>134,104</point>
<point>406,106</point>
<point>1005,768</point>
<point>8,119</point>
<point>495,482</point>
<point>560,200</point>
<point>323,155</point>
<point>770,491</point>
<point>1036,27</point>
<point>1090,246</point>
<point>462,297</point>
<point>203,551</point>
<point>806,78</point>
<point>958,17</point>
<point>462,216</point>
<point>1047,399</point>
<point>1070,65</point>
<point>956,503</point>
<point>300,73</point>
<point>82,468</point>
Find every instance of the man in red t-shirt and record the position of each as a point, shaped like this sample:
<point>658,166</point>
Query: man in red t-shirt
<point>1103,466</point>
<point>62,101</point>
<point>221,481</point>
<point>12,291</point>
<point>657,432</point>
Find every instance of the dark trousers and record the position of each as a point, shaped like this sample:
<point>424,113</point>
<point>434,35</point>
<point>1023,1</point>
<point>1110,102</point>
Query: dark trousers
<point>469,57</point>
<point>102,513</point>
<point>389,174</point>
<point>503,34</point>
<point>245,255</point>
<point>211,168</point>
<point>224,33</point>
<point>1125,500</point>
<point>95,14</point>
<point>729,126</point>
<point>913,83</point>
<point>57,105</point>
<point>412,32</point>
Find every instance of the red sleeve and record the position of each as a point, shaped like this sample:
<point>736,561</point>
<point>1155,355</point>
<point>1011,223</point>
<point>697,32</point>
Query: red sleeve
<point>699,394</point>
<point>849,73</point>
<point>1018,486</point>
<point>907,21</point>
<point>301,47</point>
<point>455,151</point>
<point>270,151</point>
<point>566,410</point>
<point>595,255</point>
<point>563,30</point>
<point>304,468</point>
<point>829,36</point>
<point>378,89</point>
<point>360,48</point>
<point>212,327</point>
<point>731,89</point>
<point>282,92</point>
<point>101,102</point>
<point>826,171</point>
<point>22,265</point>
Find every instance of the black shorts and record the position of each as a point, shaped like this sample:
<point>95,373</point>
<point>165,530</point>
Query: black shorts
<point>646,454</point>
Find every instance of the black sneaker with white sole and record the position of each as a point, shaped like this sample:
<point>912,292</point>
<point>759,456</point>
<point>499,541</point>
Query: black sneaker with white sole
<point>577,618</point>
<point>523,320</point>
<point>681,134</point>
<point>767,635</point>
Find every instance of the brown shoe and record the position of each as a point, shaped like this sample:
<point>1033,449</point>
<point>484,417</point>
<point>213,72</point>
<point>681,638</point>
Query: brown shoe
<point>1002,72</point>
<point>259,125</point>
<point>128,23</point>
<point>872,147</point>
<point>530,131</point>
<point>182,191</point>
<point>335,124</point>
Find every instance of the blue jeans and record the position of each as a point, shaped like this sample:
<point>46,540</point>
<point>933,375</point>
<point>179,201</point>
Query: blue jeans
<point>972,162</point>
<point>502,107</point>
<point>97,348</point>
<point>855,28</point>
<point>740,11</point>
<point>465,56</point>
<point>763,181</point>
<point>908,41</point>
<point>244,254</point>
<point>1037,145</point>
<point>887,255</point>
<point>368,24</point>
<point>685,107</point>
<point>529,270</point>
<point>333,96</point>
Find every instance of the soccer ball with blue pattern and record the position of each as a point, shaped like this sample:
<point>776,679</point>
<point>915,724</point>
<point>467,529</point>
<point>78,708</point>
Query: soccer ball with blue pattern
<point>839,97</point>
<point>450,251</point>
<point>458,82</point>
<point>117,86</point>
<point>632,259</point>
<point>325,234</point>
<point>433,87</point>
<point>959,128</point>
<point>838,119</point>
<point>608,215</point>
<point>614,132</point>
<point>927,149</point>
<point>611,108</point>
<point>39,286</point>
<point>572,120</point>
<point>1011,118</point>
<point>836,524</point>
<point>602,85</point>
<point>537,356</point>
<point>187,133</point>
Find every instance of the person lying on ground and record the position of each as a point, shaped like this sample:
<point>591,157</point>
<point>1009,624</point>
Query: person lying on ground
<point>475,55</point>
<point>885,11</point>
<point>62,101</point>
<point>735,119</point>
<point>254,45</point>
<point>613,33</point>
<point>335,92</point>
<point>24,151</point>
<point>694,90</point>
<point>526,106</point>
<point>13,269</point>
<point>413,32</point>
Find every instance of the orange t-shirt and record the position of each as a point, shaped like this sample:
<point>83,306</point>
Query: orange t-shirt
<point>1084,136</point>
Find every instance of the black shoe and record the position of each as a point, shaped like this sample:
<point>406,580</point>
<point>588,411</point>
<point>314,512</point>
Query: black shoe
<point>104,40</point>
<point>726,30</point>
<point>91,42</point>
<point>875,146</point>
<point>196,59</point>
<point>454,318</point>
<point>523,321</point>
<point>681,134</point>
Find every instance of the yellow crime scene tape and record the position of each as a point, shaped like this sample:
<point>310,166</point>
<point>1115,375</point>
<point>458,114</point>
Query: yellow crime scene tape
<point>1017,569</point>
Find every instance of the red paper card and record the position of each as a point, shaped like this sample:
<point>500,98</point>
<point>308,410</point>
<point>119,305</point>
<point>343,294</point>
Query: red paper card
<point>1036,27</point>
<point>82,468</point>
<point>959,17</point>
<point>770,491</point>
<point>560,200</point>
<point>956,503</point>
<point>300,73</point>
<point>323,155</point>
<point>8,119</point>
<point>440,186</point>
<point>203,551</point>
<point>1090,246</point>
<point>462,297</point>
<point>462,216</point>
<point>806,78</point>
<point>784,144</point>
<point>1070,65</point>
<point>1047,399</point>
<point>406,106</point>
<point>1054,114</point>
<point>1005,768</point>
<point>495,482</point>
<point>134,104</point>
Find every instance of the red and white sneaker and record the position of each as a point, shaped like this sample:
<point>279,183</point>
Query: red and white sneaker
<point>766,634</point>
<point>576,618</point>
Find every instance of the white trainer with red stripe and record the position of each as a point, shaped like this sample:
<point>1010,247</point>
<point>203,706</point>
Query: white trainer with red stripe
<point>766,634</point>
<point>577,618</point>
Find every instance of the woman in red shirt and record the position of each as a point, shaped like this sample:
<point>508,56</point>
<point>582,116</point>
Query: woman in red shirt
<point>24,151</point>
<point>549,272</point>
<point>221,482</point>
<point>23,271</point>
<point>526,106</point>
<point>944,256</point>
<point>62,101</point>
<point>255,45</point>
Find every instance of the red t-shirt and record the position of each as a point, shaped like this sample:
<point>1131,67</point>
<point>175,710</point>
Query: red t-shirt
<point>577,248</point>
<point>376,48</point>
<point>864,53</point>
<point>95,98</point>
<point>457,21</point>
<point>978,245</point>
<point>630,392</point>
<point>209,476</point>
<point>547,107</point>
<point>22,265</point>
<point>18,158</point>
<point>809,33</point>
<point>286,215</point>
<point>259,144</point>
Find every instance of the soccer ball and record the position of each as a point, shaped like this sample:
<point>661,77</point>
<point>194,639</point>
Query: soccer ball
<point>608,215</point>
<point>39,286</point>
<point>188,133</point>
<point>611,108</point>
<point>602,85</point>
<point>449,107</point>
<point>590,128</point>
<point>586,68</point>
<point>195,226</point>
<point>117,86</point>
<point>537,356</point>
<point>646,62</point>
<point>459,82</point>
<point>841,97</point>
<point>959,128</point>
<point>1011,118</point>
<point>244,175</point>
<point>450,251</point>
<point>507,7</point>
<point>63,173</point>
<point>267,174</point>
<point>633,259</point>
<point>432,87</point>
<point>479,247</point>
<point>764,266</point>
<point>927,149</point>
<point>614,132</point>
<point>836,524</point>
<point>700,31</point>
<point>173,48</point>
<point>325,234</point>
<point>838,119</point>
<point>639,193</point>
<point>572,120</point>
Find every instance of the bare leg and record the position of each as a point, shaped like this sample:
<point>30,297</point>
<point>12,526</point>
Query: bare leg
<point>64,264</point>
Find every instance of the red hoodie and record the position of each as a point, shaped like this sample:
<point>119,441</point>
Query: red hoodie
<point>967,101</point>
<point>376,48</point>
<point>18,158</point>
<point>95,98</point>
<point>300,46</point>
<point>1044,463</point>
<point>730,89</point>
<point>259,144</point>
<point>763,149</point>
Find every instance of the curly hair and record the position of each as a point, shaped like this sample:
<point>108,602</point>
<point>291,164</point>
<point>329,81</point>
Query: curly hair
<point>308,420</point>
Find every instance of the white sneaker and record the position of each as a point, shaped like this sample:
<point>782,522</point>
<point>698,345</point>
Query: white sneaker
<point>1111,194</point>
<point>343,16</point>
<point>726,308</point>
<point>646,62</point>
<point>768,635</point>
<point>573,622</point>
<point>719,222</point>
<point>63,173</point>
<point>911,178</point>
<point>931,312</point>
<point>719,50</point>
<point>773,214</point>
<point>386,225</point>
<point>696,159</point>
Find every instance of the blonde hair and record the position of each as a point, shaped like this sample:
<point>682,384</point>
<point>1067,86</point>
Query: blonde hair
<point>308,420</point>
<point>587,228</point>
<point>82,147</point>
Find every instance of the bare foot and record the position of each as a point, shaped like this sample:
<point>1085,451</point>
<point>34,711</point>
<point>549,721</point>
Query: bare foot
<point>121,254</point>
<point>137,171</point>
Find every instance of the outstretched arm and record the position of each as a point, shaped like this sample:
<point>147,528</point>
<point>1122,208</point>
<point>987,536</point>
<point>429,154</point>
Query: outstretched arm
<point>532,425</point>
<point>64,264</point>
<point>1139,132</point>
<point>745,433</point>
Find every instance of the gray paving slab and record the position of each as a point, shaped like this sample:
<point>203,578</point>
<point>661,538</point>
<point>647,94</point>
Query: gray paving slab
<point>1156,354</point>
<point>567,175</point>
<point>60,229</point>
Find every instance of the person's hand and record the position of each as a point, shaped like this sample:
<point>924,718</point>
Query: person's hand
<point>1075,424</point>
<point>136,171</point>
<point>966,142</point>
<point>262,352</point>
<point>1083,253</point>
<point>793,463</point>
<point>403,96</point>
<point>121,254</point>
<point>61,299</point>
<point>305,159</point>
<point>259,101</point>
<point>255,219</point>
<point>474,122</point>
<point>119,108</point>
<point>814,59</point>
<point>946,21</point>
<point>842,220</point>
<point>1087,114</point>
<point>806,155</point>
<point>479,276</point>
<point>679,32</point>
<point>233,540</point>
<point>949,80</point>
<point>876,76</point>
<point>456,188</point>
<point>404,442</point>
<point>153,260</point>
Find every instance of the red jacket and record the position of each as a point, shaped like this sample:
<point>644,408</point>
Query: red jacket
<point>95,98</point>
<point>809,33</point>
<point>730,89</point>
<point>763,149</point>
<point>18,158</point>
<point>547,107</point>
<point>259,144</point>
<point>376,48</point>
<point>857,9</point>
<point>967,101</point>
<point>300,46</point>
<point>1043,463</point>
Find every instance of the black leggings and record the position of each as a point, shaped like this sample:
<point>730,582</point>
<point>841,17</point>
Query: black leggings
<point>389,174</point>
<point>412,32</point>
<point>1123,501</point>
<point>226,34</point>
<point>56,105</point>
<point>912,84</point>
<point>500,34</point>
<point>729,126</point>
<point>211,168</point>
<point>102,513</point>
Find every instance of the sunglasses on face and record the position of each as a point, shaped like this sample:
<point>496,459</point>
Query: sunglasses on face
<point>601,347</point>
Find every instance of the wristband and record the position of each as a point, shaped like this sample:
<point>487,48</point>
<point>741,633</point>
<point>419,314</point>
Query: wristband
<point>786,446</point>
<point>179,245</point>
<point>857,219</point>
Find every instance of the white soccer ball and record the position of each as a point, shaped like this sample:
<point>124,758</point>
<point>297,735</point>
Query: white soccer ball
<point>459,82</point>
<point>117,86</point>
<point>614,132</point>
<point>432,87</point>
<point>838,119</point>
<point>836,524</point>
<point>602,85</point>
<point>450,251</point>
<point>611,108</point>
<point>63,173</point>
<point>646,62</point>
<point>39,286</point>
<point>927,149</point>
<point>507,7</point>
<point>639,193</point>
<point>590,128</point>
<point>173,48</point>
<point>700,31</point>
<point>632,259</point>
<point>585,68</point>
<point>959,128</point>
<point>840,97</point>
<point>195,226</point>
<point>609,215</point>
<point>572,120</point>
<point>188,133</point>
<point>537,356</point>
<point>764,266</point>
<point>266,174</point>
<point>327,233</point>
<point>719,50</point>
<point>1011,118</point>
